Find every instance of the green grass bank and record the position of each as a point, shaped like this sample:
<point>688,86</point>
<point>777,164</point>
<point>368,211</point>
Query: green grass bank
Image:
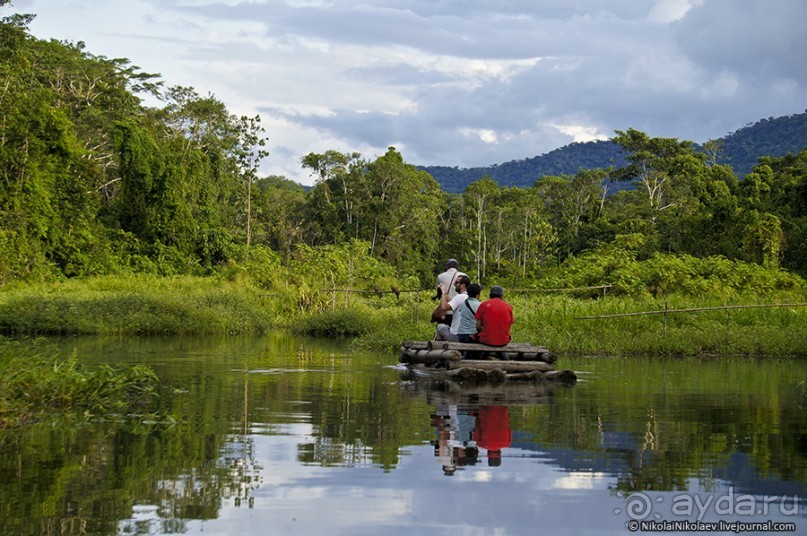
<point>142,305</point>
<point>193,305</point>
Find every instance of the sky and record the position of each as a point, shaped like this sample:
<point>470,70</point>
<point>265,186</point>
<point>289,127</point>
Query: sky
<point>457,83</point>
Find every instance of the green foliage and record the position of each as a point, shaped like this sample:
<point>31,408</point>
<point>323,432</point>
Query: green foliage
<point>663,274</point>
<point>136,305</point>
<point>257,265</point>
<point>35,386</point>
<point>95,183</point>
<point>348,265</point>
<point>341,323</point>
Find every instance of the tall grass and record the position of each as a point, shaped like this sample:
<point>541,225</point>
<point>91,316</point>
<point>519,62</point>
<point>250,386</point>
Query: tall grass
<point>35,386</point>
<point>189,305</point>
<point>137,305</point>
<point>554,322</point>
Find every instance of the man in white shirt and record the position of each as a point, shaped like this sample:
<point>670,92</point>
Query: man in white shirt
<point>445,332</point>
<point>446,281</point>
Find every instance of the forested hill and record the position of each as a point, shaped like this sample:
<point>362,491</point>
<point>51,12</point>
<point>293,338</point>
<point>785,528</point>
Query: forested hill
<point>523,173</point>
<point>767,137</point>
<point>740,149</point>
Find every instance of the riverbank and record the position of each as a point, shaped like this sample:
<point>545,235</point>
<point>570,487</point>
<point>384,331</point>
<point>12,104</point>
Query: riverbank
<point>559,324</point>
<point>149,305</point>
<point>138,305</point>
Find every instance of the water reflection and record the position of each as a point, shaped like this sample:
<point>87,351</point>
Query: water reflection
<point>472,421</point>
<point>461,433</point>
<point>279,435</point>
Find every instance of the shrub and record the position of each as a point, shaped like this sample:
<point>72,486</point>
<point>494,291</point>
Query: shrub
<point>340,323</point>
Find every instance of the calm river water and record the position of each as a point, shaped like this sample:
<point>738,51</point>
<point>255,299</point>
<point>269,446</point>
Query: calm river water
<point>282,435</point>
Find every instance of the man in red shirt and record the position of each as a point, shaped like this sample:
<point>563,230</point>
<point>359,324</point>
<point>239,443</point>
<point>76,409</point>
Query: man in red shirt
<point>494,318</point>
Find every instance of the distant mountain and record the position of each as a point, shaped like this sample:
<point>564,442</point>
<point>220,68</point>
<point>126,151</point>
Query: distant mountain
<point>767,137</point>
<point>740,149</point>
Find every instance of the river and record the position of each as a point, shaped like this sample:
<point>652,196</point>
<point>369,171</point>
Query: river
<point>286,435</point>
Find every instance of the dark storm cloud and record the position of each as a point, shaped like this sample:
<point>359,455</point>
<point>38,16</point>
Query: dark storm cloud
<point>760,41</point>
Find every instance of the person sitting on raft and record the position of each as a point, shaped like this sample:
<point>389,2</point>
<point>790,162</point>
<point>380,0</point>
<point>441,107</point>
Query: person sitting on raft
<point>467,327</point>
<point>446,282</point>
<point>449,333</point>
<point>493,319</point>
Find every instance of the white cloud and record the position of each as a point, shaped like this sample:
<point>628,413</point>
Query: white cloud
<point>665,11</point>
<point>581,133</point>
<point>486,135</point>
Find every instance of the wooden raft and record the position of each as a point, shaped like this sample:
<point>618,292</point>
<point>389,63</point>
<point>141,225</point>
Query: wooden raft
<point>430,352</point>
<point>516,361</point>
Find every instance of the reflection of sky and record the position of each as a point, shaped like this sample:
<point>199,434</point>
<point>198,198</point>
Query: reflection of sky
<point>415,498</point>
<point>532,491</point>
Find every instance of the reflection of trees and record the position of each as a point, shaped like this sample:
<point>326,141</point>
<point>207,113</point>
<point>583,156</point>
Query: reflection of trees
<point>105,479</point>
<point>67,481</point>
<point>359,422</point>
<point>329,452</point>
<point>673,421</point>
<point>243,471</point>
<point>657,433</point>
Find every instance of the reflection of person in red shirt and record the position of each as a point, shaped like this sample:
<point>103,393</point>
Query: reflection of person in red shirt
<point>493,319</point>
<point>493,431</point>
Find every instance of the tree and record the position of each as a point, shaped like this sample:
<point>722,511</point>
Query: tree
<point>570,202</point>
<point>478,196</point>
<point>338,191</point>
<point>47,203</point>
<point>652,164</point>
<point>249,151</point>
<point>762,238</point>
<point>279,213</point>
<point>402,210</point>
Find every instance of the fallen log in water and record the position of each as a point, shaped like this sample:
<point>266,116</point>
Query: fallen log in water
<point>561,376</point>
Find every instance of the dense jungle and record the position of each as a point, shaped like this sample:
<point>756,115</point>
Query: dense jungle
<point>111,205</point>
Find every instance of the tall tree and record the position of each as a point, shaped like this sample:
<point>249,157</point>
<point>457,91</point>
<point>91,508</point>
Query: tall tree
<point>570,202</point>
<point>480,195</point>
<point>652,164</point>
<point>403,209</point>
<point>249,152</point>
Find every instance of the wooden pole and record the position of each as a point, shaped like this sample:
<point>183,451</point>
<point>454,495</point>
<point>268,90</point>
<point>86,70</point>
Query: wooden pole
<point>693,309</point>
<point>568,289</point>
<point>411,355</point>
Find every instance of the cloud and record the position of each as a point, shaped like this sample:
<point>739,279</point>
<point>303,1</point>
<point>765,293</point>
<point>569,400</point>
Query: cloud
<point>460,83</point>
<point>760,41</point>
